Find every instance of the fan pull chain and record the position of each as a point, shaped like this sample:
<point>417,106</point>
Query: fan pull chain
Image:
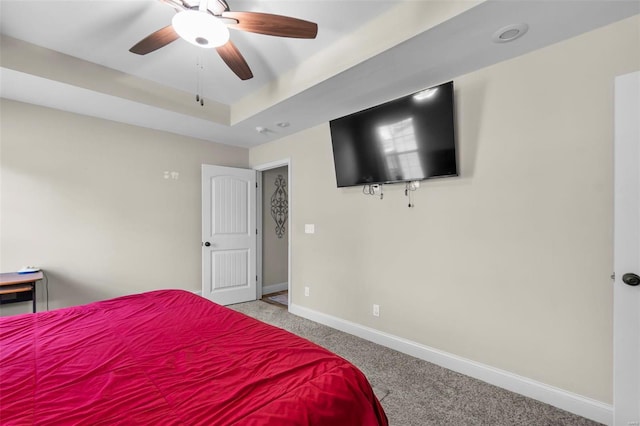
<point>199,70</point>
<point>197,78</point>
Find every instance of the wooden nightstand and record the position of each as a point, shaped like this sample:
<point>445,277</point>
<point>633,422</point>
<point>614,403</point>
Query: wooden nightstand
<point>13,283</point>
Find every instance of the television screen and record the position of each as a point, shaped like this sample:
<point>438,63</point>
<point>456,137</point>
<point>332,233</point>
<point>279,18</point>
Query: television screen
<point>407,139</point>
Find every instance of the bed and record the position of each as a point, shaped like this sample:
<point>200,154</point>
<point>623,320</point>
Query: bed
<point>170,357</point>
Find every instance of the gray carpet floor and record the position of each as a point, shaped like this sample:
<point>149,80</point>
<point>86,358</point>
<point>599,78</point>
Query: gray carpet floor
<point>416,392</point>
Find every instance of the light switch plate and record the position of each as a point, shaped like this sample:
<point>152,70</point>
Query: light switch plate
<point>309,228</point>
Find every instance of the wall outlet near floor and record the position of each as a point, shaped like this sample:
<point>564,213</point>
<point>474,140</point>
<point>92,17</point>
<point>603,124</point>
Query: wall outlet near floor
<point>306,291</point>
<point>376,310</point>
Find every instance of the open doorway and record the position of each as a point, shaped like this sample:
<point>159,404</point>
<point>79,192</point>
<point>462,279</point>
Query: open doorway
<point>274,235</point>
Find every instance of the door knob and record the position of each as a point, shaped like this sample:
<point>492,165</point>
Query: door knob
<point>631,279</point>
<point>207,244</point>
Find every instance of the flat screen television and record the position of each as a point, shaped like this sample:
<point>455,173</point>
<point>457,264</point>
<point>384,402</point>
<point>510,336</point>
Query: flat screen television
<point>407,139</point>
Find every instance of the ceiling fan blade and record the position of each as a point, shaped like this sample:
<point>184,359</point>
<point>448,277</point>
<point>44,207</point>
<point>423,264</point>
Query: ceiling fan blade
<point>155,41</point>
<point>234,59</point>
<point>275,25</point>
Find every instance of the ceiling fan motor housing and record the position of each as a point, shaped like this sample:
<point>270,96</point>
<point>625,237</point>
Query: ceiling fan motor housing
<point>200,29</point>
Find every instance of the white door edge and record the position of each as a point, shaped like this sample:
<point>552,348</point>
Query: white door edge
<point>626,301</point>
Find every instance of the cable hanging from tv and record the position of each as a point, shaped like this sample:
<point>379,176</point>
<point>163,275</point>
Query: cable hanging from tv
<point>377,189</point>
<point>409,188</point>
<point>373,189</point>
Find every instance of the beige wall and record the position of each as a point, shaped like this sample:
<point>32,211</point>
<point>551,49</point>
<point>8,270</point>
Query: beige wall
<point>86,199</point>
<point>507,264</point>
<point>274,249</point>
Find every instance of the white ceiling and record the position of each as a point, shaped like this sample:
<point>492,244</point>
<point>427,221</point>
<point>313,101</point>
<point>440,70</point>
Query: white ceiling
<point>366,52</point>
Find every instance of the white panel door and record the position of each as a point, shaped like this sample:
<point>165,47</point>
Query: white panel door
<point>228,234</point>
<point>626,295</point>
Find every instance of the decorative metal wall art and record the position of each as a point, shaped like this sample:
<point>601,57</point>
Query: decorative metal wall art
<point>280,205</point>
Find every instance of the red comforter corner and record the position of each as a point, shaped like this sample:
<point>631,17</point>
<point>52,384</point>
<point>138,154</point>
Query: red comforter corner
<point>170,357</point>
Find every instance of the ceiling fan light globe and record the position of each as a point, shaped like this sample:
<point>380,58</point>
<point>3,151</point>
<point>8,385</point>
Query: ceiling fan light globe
<point>200,29</point>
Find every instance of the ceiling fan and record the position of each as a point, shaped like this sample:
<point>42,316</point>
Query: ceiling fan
<point>205,24</point>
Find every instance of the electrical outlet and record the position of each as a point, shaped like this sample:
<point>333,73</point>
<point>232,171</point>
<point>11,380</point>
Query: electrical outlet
<point>376,310</point>
<point>306,291</point>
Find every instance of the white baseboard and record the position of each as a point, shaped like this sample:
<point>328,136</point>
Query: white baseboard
<point>198,292</point>
<point>565,400</point>
<point>274,288</point>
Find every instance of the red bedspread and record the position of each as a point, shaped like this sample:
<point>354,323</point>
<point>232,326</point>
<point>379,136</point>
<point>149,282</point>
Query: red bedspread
<point>171,358</point>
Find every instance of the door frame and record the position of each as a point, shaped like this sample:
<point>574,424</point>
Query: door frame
<point>259,169</point>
